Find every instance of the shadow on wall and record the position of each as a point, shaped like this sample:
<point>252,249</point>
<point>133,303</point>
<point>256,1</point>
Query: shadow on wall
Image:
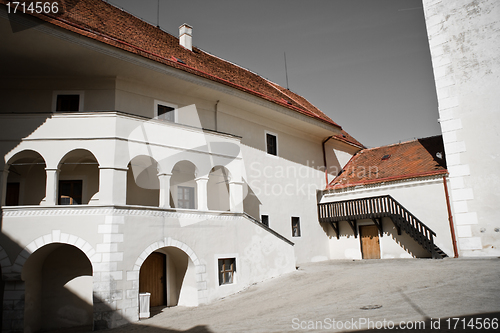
<point>405,241</point>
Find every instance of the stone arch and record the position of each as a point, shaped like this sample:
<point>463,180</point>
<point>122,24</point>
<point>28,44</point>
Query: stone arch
<point>55,237</point>
<point>183,185</point>
<point>218,194</point>
<point>78,174</point>
<point>25,178</point>
<point>196,271</point>
<point>143,184</point>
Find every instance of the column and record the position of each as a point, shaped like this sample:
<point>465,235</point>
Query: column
<point>236,196</point>
<point>201,189</point>
<point>51,186</point>
<point>3,186</point>
<point>112,186</point>
<point>164,189</point>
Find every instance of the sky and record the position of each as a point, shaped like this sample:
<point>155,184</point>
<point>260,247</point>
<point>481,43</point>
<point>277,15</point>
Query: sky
<point>365,63</point>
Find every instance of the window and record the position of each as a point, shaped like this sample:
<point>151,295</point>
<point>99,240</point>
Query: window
<point>295,226</point>
<point>70,192</point>
<point>165,111</point>
<point>265,220</point>
<point>185,197</point>
<point>227,268</point>
<point>272,144</point>
<point>68,103</point>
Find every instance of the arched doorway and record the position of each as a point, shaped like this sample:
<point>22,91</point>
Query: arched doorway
<point>218,189</point>
<point>169,276</point>
<point>78,178</point>
<point>26,179</point>
<point>59,285</point>
<point>143,185</point>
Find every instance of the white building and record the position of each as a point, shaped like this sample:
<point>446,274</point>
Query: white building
<point>134,162</point>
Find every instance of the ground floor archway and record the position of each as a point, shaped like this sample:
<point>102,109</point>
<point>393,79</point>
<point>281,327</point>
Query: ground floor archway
<point>168,274</point>
<point>59,286</point>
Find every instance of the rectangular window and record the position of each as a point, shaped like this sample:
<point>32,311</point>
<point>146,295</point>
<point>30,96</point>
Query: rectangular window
<point>185,197</point>
<point>265,220</point>
<point>70,192</point>
<point>295,226</point>
<point>227,268</point>
<point>12,195</point>
<point>272,144</point>
<point>166,113</point>
<point>70,102</point>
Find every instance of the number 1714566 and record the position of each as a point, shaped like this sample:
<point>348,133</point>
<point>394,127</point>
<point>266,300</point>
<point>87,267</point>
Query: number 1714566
<point>32,7</point>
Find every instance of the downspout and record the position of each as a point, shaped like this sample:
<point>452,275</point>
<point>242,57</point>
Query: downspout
<point>216,107</point>
<point>450,218</point>
<point>324,159</point>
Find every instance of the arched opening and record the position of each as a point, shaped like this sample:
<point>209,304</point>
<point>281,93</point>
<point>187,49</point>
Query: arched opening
<point>169,276</point>
<point>58,292</point>
<point>143,185</point>
<point>218,189</point>
<point>26,179</point>
<point>183,185</point>
<point>78,178</point>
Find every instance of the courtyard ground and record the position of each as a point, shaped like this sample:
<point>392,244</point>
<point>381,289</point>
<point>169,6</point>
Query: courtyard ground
<point>419,295</point>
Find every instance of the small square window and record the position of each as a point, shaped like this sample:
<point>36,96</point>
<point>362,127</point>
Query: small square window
<point>265,220</point>
<point>185,197</point>
<point>272,144</point>
<point>70,102</point>
<point>295,226</point>
<point>227,269</point>
<point>165,112</point>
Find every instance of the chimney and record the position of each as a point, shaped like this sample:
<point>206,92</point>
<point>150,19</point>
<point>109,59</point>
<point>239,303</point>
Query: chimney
<point>185,36</point>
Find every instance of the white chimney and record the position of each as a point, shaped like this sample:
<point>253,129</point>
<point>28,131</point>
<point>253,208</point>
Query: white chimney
<point>186,36</point>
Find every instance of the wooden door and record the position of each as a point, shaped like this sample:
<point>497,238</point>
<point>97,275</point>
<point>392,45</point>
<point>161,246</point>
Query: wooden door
<point>370,245</point>
<point>152,278</point>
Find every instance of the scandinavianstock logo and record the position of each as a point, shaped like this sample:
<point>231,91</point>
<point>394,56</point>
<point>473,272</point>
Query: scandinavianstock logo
<point>190,167</point>
<point>16,11</point>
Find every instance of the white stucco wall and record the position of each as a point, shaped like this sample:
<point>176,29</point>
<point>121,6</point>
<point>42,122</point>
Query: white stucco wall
<point>425,199</point>
<point>464,39</point>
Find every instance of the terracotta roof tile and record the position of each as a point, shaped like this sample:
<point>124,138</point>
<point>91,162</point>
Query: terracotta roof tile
<point>103,22</point>
<point>416,158</point>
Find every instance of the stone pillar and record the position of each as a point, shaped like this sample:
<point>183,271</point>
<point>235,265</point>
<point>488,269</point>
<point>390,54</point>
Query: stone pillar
<point>164,189</point>
<point>201,189</point>
<point>3,186</point>
<point>112,186</point>
<point>236,196</point>
<point>51,186</point>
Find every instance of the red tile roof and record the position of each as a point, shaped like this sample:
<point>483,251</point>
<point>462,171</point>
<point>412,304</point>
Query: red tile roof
<point>110,25</point>
<point>416,158</point>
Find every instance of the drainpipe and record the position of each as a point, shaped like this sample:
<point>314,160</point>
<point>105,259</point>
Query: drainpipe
<point>216,105</point>
<point>450,218</point>
<point>324,158</point>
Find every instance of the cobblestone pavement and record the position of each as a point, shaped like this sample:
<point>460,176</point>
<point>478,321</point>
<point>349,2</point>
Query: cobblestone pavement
<point>419,295</point>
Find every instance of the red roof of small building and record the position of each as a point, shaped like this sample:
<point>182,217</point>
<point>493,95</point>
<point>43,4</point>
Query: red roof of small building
<point>416,158</point>
<point>108,24</point>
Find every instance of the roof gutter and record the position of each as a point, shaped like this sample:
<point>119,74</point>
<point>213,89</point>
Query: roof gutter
<point>324,158</point>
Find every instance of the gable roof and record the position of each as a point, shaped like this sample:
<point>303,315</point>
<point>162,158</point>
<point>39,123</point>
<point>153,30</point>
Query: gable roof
<point>108,24</point>
<point>416,158</point>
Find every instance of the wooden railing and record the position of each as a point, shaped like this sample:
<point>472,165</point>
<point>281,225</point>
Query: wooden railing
<point>378,207</point>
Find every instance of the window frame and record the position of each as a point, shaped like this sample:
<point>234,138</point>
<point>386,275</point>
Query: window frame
<point>175,107</point>
<point>193,202</point>
<point>227,256</point>
<point>266,133</point>
<point>296,227</point>
<point>59,197</point>
<point>56,93</point>
<point>262,219</point>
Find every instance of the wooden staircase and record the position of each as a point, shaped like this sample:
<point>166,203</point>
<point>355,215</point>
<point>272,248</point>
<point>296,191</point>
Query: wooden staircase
<point>375,208</point>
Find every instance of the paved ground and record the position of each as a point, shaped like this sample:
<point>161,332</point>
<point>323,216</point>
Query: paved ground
<point>353,293</point>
